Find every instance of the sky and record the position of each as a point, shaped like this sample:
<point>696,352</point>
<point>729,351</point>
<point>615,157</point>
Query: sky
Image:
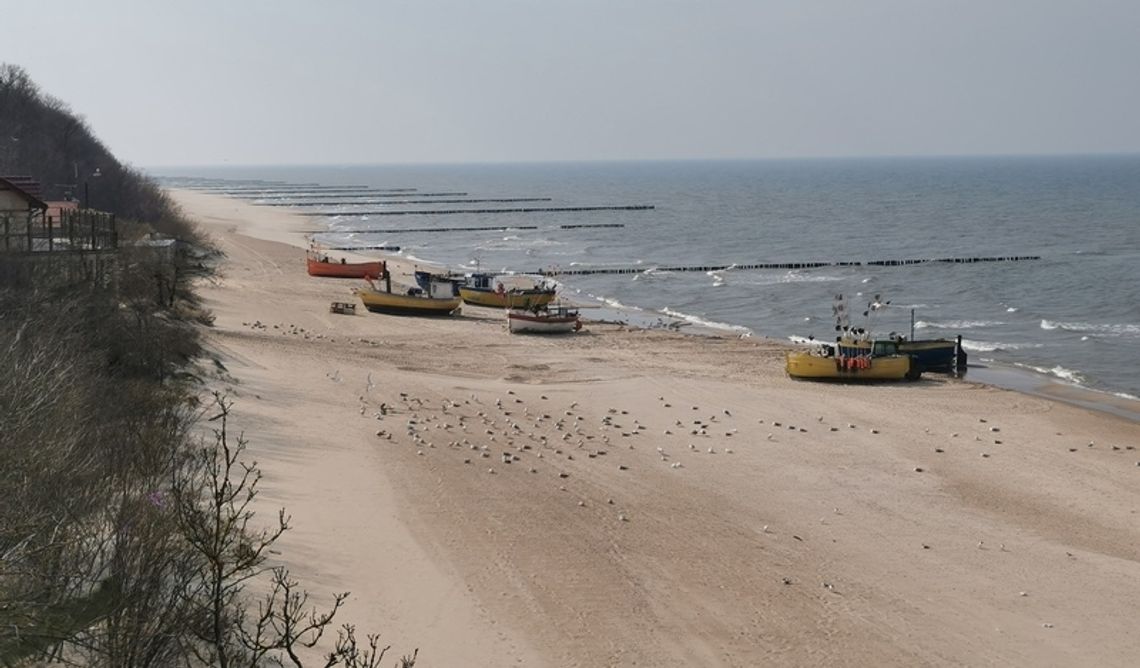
<point>252,82</point>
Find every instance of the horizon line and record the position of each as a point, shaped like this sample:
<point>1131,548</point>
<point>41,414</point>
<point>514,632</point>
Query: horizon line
<point>585,161</point>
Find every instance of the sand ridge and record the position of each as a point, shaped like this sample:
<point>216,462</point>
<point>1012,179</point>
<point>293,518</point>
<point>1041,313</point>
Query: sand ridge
<point>644,498</point>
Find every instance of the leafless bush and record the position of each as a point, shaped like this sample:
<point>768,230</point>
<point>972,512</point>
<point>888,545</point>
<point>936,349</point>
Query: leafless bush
<point>126,540</point>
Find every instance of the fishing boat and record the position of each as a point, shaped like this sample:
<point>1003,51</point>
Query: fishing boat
<point>441,298</point>
<point>934,354</point>
<point>855,355</point>
<point>546,319</point>
<point>521,291</point>
<point>851,359</point>
<point>320,264</point>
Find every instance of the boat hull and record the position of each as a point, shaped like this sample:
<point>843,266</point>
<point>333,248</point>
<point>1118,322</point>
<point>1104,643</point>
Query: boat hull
<point>814,367</point>
<point>514,299</point>
<point>397,304</point>
<point>347,270</point>
<point>930,354</point>
<point>542,324</point>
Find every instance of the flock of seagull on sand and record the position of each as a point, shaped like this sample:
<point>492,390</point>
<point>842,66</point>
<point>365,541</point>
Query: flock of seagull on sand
<point>507,429</point>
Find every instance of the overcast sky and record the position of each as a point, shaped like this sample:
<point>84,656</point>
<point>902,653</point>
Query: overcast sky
<point>206,82</point>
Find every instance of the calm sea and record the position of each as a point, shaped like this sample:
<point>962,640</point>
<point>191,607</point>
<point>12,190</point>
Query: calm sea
<point>1074,315</point>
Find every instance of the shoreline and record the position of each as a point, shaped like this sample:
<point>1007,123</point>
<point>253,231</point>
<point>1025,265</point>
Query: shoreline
<point>294,228</point>
<point>628,496</point>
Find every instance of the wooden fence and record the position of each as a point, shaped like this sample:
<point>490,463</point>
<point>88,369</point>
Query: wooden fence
<point>73,231</point>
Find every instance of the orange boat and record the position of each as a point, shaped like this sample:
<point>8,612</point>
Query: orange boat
<point>322,266</point>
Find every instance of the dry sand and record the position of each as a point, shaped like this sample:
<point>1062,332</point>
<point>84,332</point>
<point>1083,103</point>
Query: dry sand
<point>935,523</point>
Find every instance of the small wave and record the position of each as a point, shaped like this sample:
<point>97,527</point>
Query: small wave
<point>991,346</point>
<point>697,320</point>
<point>1125,395</point>
<point>613,303</point>
<point>1067,374</point>
<point>788,278</point>
<point>980,346</point>
<point>793,277</point>
<point>1012,309</point>
<point>957,324</point>
<point>1105,329</point>
<point>1058,371</point>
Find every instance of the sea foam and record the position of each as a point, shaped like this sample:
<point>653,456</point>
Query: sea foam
<point>957,324</point>
<point>711,324</point>
<point>1103,329</point>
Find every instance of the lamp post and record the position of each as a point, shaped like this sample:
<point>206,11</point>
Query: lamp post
<point>86,190</point>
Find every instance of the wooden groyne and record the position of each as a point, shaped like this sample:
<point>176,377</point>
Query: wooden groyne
<point>788,265</point>
<point>494,228</point>
<point>442,212</point>
<point>408,230</point>
<point>502,200</point>
<point>294,187</point>
<point>340,195</point>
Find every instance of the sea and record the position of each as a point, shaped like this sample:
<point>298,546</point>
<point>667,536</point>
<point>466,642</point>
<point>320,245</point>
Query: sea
<point>1071,316</point>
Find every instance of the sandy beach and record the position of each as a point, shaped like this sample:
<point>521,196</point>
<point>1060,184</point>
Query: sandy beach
<point>645,498</point>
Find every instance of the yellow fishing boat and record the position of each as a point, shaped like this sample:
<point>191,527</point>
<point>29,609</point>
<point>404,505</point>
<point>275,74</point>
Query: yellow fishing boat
<point>853,360</point>
<point>506,291</point>
<point>440,298</point>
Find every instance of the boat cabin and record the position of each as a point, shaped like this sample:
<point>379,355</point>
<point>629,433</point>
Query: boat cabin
<point>505,282</point>
<point>849,348</point>
<point>436,286</point>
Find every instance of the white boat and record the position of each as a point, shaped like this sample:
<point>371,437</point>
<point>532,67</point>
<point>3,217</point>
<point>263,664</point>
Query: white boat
<point>554,319</point>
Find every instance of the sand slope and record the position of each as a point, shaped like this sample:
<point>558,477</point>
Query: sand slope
<point>937,523</point>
